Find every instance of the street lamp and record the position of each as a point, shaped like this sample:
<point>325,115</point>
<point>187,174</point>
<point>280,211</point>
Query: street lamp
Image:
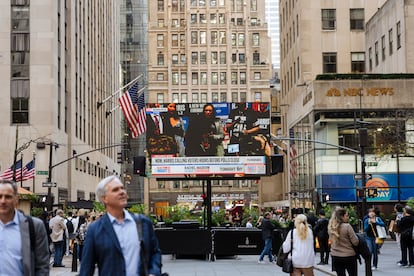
<point>41,145</point>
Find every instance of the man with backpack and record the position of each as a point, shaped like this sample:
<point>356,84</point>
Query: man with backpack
<point>321,232</point>
<point>71,226</point>
<point>23,240</point>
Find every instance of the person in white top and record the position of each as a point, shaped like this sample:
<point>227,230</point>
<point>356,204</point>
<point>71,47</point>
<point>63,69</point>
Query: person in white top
<point>303,255</point>
<point>249,223</point>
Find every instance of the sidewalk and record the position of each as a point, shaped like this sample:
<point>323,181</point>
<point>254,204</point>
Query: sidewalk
<point>248,266</point>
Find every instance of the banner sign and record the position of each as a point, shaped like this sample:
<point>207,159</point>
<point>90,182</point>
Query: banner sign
<point>217,139</point>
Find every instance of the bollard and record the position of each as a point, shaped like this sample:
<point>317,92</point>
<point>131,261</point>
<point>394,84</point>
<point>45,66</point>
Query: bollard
<point>75,257</point>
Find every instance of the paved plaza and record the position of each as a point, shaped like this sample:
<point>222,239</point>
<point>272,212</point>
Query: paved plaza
<point>248,266</point>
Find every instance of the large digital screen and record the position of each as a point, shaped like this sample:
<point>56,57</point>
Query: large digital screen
<point>189,140</point>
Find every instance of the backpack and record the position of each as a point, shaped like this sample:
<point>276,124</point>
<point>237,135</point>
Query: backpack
<point>69,226</point>
<point>362,248</point>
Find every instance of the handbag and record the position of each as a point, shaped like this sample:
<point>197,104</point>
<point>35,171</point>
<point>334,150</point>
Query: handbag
<point>287,262</point>
<point>382,233</point>
<point>378,240</point>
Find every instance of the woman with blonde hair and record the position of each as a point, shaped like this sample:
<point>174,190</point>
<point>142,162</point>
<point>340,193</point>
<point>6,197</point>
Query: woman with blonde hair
<point>303,256</point>
<point>343,239</point>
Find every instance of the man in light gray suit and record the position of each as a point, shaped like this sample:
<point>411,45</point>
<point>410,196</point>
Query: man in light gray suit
<point>24,252</point>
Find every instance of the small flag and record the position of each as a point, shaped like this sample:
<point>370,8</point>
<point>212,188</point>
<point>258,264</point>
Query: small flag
<point>8,174</point>
<point>133,107</point>
<point>28,171</point>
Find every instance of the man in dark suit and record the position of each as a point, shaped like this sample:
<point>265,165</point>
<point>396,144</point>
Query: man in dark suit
<point>17,255</point>
<point>112,242</point>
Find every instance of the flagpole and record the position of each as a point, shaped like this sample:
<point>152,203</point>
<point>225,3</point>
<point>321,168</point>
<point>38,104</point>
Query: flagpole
<point>34,167</point>
<point>15,154</point>
<point>21,171</point>
<point>117,91</point>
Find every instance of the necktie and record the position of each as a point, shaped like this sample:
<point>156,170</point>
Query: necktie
<point>157,125</point>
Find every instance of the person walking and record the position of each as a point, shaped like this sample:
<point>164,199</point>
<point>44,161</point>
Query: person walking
<point>321,232</point>
<point>399,213</point>
<point>343,240</point>
<point>370,228</point>
<point>23,251</point>
<point>303,256</point>
<point>406,225</point>
<point>115,242</point>
<point>58,227</point>
<point>267,235</point>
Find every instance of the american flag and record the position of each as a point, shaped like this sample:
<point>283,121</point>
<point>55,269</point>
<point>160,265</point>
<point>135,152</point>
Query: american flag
<point>8,174</point>
<point>293,162</point>
<point>28,172</point>
<point>133,107</point>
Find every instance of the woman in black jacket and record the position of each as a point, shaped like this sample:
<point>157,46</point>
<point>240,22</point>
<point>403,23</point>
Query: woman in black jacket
<point>406,225</point>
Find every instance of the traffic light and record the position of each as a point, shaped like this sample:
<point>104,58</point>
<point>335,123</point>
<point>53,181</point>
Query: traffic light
<point>361,193</point>
<point>204,197</point>
<point>119,157</point>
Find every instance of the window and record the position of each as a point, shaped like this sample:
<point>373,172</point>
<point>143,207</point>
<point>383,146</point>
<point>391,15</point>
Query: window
<point>183,59</point>
<point>253,5</point>
<point>328,19</point>
<point>194,97</point>
<point>203,97</point>
<point>203,37</point>
<point>370,58</point>
<point>222,18</point>
<point>329,62</point>
<point>160,5</point>
<point>390,41</point>
<point>184,98</point>
<point>193,3</point>
<point>203,78</point>
<point>203,19</point>
<point>241,40</point>
<point>175,5</point>
<point>383,47</point>
<point>194,78</point>
<point>175,78</point>
<point>258,96</point>
<point>223,78</point>
<point>175,59</point>
<point>202,3</point>
<point>203,57</point>
<point>213,18</point>
<point>160,23</point>
<point>160,59</point>
<point>243,97</point>
<point>256,58</point>
<point>214,37</point>
<point>255,39</point>
<point>357,19</point>
<point>214,78</point>
<point>253,22</point>
<point>242,77</point>
<point>193,18</point>
<point>20,19</point>
<point>239,21</point>
<point>194,58</point>
<point>223,57</point>
<point>20,64</point>
<point>358,62</point>
<point>233,77</point>
<point>184,78</point>
<point>214,97</point>
<point>194,39</point>
<point>182,40</point>
<point>233,39</point>
<point>175,97</point>
<point>398,35</point>
<point>213,3</point>
<point>160,40</point>
<point>234,97</point>
<point>223,97</point>
<point>160,76</point>
<point>20,110</point>
<point>233,58</point>
<point>242,58</point>
<point>174,23</point>
<point>257,76</point>
<point>160,98</point>
<point>376,53</point>
<point>213,57</point>
<point>222,37</point>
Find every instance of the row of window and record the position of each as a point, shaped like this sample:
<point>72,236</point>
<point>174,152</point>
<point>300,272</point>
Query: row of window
<point>20,61</point>
<point>91,169</point>
<point>384,46</point>
<point>202,19</point>
<point>201,78</point>
<point>329,61</point>
<point>216,37</point>
<point>356,19</point>
<point>185,184</point>
<point>216,58</point>
<point>203,97</point>
<point>179,5</point>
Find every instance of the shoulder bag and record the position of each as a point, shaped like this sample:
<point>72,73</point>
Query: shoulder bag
<point>378,240</point>
<point>287,263</point>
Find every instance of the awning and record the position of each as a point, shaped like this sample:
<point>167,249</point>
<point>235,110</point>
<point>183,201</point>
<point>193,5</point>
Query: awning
<point>81,204</point>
